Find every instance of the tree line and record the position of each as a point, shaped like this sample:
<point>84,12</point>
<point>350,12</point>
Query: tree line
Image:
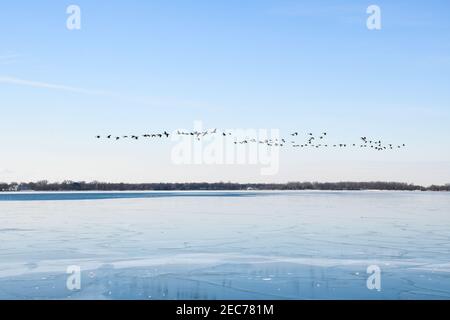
<point>105,186</point>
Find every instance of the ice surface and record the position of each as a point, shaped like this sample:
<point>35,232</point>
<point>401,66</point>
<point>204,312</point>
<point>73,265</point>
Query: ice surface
<point>225,245</point>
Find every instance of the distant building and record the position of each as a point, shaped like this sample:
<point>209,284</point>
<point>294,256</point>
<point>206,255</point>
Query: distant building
<point>22,187</point>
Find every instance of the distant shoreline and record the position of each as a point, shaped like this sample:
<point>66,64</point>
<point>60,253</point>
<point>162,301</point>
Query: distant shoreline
<point>42,186</point>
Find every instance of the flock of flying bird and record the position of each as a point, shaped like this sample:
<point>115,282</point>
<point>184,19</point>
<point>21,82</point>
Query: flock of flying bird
<point>311,140</point>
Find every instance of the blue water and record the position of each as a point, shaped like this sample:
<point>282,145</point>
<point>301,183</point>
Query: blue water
<point>225,245</point>
<point>61,196</point>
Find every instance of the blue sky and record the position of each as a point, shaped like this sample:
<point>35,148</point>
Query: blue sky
<point>138,66</point>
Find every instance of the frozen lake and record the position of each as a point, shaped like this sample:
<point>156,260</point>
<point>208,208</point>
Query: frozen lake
<point>225,245</point>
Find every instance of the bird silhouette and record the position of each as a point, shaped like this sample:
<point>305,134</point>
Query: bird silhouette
<point>310,141</point>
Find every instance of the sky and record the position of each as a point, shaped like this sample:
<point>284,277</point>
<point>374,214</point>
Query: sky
<point>147,66</point>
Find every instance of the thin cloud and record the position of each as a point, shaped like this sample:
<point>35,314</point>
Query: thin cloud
<point>9,58</point>
<point>152,102</point>
<point>46,85</point>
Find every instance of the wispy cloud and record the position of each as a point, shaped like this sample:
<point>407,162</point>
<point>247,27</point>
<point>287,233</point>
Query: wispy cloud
<point>9,58</point>
<point>46,85</point>
<point>152,102</point>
